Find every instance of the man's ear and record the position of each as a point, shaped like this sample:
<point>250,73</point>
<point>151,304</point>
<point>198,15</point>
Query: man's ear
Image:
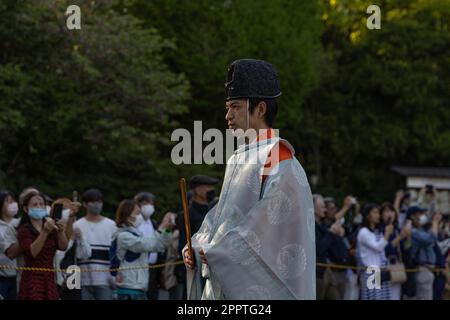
<point>25,209</point>
<point>262,109</point>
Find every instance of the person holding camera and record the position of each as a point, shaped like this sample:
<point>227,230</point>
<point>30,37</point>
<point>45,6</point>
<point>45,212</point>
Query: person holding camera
<point>39,237</point>
<point>402,202</point>
<point>424,238</point>
<point>329,248</point>
<point>77,248</point>
<point>8,220</point>
<point>336,221</point>
<point>370,247</point>
<point>132,249</point>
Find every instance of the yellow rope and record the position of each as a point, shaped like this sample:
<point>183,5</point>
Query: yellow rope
<point>155,266</point>
<point>338,266</point>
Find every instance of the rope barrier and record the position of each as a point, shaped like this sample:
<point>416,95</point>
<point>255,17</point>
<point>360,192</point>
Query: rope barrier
<point>339,266</point>
<point>156,266</point>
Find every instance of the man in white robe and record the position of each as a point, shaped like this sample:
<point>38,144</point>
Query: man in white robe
<point>258,242</point>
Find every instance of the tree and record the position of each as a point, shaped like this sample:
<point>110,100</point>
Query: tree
<point>87,107</point>
<point>382,98</point>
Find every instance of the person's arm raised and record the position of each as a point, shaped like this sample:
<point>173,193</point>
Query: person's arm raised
<point>38,244</point>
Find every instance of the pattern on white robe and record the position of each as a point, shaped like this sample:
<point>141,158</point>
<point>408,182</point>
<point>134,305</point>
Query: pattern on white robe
<point>261,244</point>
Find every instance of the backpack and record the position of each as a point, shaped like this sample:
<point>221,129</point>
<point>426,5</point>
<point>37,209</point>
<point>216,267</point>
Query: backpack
<point>114,261</point>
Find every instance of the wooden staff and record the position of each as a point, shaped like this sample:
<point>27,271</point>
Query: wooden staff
<point>187,222</point>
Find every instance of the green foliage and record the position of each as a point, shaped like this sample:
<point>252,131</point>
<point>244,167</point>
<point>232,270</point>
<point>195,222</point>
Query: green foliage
<point>84,108</point>
<point>385,98</point>
<point>96,107</point>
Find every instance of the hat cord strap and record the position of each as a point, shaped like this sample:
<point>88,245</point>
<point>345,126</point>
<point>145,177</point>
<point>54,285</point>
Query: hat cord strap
<point>248,115</point>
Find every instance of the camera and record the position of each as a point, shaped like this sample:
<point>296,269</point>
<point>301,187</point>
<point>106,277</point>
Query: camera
<point>57,212</point>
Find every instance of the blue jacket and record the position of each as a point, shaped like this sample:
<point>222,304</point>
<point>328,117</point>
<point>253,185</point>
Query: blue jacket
<point>422,250</point>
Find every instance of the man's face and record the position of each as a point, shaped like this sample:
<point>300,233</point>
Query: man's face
<point>202,190</point>
<point>236,115</point>
<point>415,218</point>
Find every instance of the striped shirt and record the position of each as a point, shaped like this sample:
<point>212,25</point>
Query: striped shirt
<point>99,236</point>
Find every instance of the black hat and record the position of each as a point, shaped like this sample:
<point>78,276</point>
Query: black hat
<point>250,78</point>
<point>413,210</point>
<point>198,180</point>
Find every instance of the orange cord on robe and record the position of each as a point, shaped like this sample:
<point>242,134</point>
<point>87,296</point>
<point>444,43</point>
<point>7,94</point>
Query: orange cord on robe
<point>283,153</point>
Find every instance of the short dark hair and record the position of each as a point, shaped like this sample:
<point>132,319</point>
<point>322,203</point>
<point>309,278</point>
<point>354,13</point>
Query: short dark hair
<point>124,211</point>
<point>4,194</point>
<point>144,196</point>
<point>92,195</point>
<point>271,110</point>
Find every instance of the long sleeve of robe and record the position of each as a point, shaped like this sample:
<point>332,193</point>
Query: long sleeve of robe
<point>260,238</point>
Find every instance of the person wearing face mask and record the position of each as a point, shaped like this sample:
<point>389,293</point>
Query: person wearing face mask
<point>39,237</point>
<point>145,201</point>
<point>98,231</point>
<point>423,239</point>
<point>202,189</point>
<point>78,248</point>
<point>133,249</point>
<point>8,212</point>
<point>203,194</point>
<point>9,244</point>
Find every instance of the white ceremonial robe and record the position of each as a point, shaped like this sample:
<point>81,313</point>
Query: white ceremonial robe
<point>260,238</point>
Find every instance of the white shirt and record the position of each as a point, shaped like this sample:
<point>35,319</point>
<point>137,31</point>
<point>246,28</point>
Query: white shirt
<point>147,230</point>
<point>99,236</point>
<point>83,251</point>
<point>370,249</point>
<point>7,238</point>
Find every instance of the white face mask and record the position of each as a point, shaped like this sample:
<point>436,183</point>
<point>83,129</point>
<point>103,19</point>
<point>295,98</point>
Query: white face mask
<point>147,210</point>
<point>423,219</point>
<point>138,221</point>
<point>12,209</point>
<point>65,214</point>
<point>48,210</point>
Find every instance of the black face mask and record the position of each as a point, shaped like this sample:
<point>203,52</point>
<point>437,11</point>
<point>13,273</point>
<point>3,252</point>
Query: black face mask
<point>210,195</point>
